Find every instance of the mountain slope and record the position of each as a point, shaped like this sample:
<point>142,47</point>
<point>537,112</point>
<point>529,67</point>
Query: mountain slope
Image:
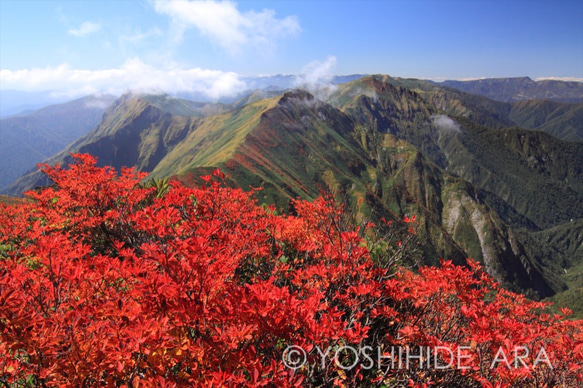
<point>295,145</point>
<point>535,174</point>
<point>29,139</point>
<point>561,120</point>
<point>530,178</point>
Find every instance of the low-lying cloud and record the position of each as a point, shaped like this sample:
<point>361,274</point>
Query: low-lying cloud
<point>317,77</point>
<point>99,102</point>
<point>445,123</point>
<point>366,92</point>
<point>225,25</point>
<point>133,75</point>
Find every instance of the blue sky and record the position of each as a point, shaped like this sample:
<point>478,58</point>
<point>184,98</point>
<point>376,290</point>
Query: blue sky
<point>80,47</point>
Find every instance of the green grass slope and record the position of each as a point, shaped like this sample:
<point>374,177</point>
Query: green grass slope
<point>561,120</point>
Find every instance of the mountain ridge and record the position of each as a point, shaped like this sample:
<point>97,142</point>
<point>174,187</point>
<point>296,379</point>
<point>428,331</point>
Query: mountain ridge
<point>521,88</point>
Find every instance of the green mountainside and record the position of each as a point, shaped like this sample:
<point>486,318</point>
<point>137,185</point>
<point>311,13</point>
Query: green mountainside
<point>560,248</point>
<point>182,107</point>
<point>388,147</point>
<point>531,178</point>
<point>520,88</point>
<point>563,121</point>
<point>29,139</point>
<point>297,146</point>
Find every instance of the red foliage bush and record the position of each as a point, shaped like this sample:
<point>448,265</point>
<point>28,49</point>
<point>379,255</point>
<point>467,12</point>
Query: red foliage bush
<point>106,281</point>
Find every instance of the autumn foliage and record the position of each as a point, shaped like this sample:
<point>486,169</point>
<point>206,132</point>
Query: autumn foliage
<point>107,281</point>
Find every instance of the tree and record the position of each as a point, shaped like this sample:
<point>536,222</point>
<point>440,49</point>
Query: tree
<point>108,281</point>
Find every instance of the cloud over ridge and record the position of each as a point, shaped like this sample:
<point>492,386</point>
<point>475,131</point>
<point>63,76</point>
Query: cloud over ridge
<point>317,76</point>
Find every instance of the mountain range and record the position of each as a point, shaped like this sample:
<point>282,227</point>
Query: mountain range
<point>501,182</point>
<point>521,88</point>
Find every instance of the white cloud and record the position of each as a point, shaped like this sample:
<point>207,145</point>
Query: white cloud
<point>445,123</point>
<point>317,77</point>
<point>98,103</point>
<point>85,29</point>
<point>138,36</point>
<point>225,25</point>
<point>133,75</point>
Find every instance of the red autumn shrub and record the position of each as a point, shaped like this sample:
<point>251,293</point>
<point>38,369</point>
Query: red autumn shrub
<point>106,281</point>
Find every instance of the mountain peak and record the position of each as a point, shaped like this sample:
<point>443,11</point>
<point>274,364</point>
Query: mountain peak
<point>295,95</point>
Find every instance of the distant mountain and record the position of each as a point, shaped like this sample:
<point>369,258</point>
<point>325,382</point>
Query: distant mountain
<point>182,107</point>
<point>29,139</point>
<point>17,102</point>
<point>520,89</point>
<point>562,120</point>
<point>283,82</point>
